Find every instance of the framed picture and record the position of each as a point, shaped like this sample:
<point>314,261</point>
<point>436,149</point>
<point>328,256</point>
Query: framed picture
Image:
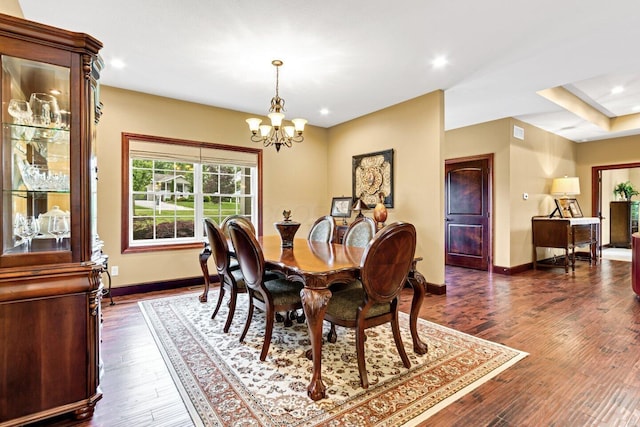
<point>341,207</point>
<point>373,178</point>
<point>569,208</point>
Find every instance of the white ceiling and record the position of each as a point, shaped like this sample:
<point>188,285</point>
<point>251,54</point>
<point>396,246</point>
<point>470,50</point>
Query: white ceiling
<point>354,57</point>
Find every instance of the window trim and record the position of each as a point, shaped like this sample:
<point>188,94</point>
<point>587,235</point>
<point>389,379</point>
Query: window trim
<point>125,196</point>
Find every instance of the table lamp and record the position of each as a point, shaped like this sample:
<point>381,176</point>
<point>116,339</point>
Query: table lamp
<point>564,187</point>
<point>359,206</point>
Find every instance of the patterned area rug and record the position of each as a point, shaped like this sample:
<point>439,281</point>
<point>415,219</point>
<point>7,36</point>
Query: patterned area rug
<point>223,382</point>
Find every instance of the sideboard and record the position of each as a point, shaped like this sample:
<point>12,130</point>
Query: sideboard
<point>567,234</point>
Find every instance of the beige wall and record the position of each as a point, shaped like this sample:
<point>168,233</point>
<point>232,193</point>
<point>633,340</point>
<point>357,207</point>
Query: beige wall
<point>293,179</point>
<point>414,130</point>
<point>600,153</point>
<point>11,7</point>
<point>520,166</point>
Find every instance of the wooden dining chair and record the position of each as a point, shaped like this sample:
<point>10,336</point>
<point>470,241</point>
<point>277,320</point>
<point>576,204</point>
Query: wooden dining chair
<point>322,229</point>
<point>384,269</point>
<point>360,232</point>
<point>271,296</point>
<point>230,277</point>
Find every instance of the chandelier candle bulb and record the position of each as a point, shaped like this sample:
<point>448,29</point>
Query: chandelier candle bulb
<point>264,130</point>
<point>276,119</point>
<point>254,124</point>
<point>299,125</point>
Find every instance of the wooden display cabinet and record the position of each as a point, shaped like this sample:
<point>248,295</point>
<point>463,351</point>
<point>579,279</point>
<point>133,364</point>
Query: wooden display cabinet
<point>50,269</point>
<point>623,222</point>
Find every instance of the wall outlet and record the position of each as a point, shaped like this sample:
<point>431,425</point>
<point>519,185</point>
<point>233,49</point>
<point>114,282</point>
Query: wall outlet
<point>114,270</point>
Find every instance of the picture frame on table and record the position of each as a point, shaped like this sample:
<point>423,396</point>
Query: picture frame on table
<point>341,207</point>
<point>569,208</point>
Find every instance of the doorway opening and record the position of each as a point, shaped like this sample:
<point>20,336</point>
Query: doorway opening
<point>619,218</point>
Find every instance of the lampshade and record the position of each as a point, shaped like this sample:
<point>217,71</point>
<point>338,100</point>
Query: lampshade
<point>359,206</point>
<point>566,186</point>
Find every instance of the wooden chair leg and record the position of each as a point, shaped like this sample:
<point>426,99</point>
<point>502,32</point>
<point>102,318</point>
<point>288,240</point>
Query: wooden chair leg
<point>270,316</point>
<point>233,296</point>
<point>395,327</point>
<point>288,319</point>
<point>362,368</point>
<point>249,316</point>
<point>332,336</point>
<point>219,303</point>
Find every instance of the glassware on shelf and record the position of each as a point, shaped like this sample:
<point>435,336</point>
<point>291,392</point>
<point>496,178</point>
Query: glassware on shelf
<point>26,227</point>
<point>22,115</point>
<point>20,110</point>
<point>58,226</point>
<point>38,178</point>
<point>46,112</point>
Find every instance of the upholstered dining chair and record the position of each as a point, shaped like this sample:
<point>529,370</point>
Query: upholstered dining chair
<point>229,275</point>
<point>384,269</point>
<point>322,229</point>
<point>270,296</point>
<point>360,232</point>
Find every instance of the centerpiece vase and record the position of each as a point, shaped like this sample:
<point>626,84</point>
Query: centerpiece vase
<point>287,231</point>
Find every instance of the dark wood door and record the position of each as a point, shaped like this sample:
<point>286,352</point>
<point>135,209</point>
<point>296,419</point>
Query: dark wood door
<point>467,211</point>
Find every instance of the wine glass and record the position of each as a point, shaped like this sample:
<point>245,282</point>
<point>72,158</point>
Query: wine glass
<point>58,226</point>
<point>26,227</point>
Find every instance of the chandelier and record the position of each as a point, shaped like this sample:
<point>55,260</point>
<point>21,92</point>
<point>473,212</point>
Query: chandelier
<point>276,134</point>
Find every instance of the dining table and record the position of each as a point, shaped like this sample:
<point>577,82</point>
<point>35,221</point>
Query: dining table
<point>318,265</point>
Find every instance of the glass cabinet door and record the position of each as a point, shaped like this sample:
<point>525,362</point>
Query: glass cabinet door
<point>36,127</point>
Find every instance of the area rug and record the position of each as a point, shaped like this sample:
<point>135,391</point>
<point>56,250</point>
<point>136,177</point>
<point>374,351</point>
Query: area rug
<point>223,382</point>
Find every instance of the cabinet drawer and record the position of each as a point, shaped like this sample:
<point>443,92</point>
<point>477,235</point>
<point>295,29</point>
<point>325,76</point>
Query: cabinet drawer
<point>583,234</point>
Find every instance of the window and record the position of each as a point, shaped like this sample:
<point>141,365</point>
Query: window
<point>171,185</point>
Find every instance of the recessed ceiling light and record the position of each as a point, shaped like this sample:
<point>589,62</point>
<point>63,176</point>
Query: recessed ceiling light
<point>117,63</point>
<point>439,61</point>
<point>617,89</point>
<point>324,111</point>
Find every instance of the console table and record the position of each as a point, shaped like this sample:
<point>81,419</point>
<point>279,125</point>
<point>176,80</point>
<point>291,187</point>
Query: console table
<point>565,233</point>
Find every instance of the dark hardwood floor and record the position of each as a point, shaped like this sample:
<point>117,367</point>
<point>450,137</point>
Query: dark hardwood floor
<point>582,331</point>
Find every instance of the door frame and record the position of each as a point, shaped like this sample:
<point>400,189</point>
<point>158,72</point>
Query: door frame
<point>489,158</point>
<point>596,191</point>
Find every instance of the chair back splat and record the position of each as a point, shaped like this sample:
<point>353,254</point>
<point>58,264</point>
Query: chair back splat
<point>360,232</point>
<point>387,261</point>
<point>322,229</point>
